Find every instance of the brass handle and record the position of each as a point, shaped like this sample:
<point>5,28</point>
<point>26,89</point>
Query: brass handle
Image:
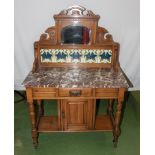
<point>75,92</point>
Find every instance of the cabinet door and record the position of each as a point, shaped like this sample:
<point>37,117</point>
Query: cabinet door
<point>77,114</point>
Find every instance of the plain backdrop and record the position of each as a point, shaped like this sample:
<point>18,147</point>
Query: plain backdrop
<point>120,17</point>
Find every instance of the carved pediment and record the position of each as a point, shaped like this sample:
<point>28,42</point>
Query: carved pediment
<point>103,36</point>
<point>49,35</point>
<point>67,17</point>
<point>76,11</point>
<point>76,40</point>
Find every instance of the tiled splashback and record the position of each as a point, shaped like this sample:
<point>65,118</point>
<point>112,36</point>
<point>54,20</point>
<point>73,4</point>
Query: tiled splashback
<point>76,55</point>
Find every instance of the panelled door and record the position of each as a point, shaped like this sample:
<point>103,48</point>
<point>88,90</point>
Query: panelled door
<point>77,114</point>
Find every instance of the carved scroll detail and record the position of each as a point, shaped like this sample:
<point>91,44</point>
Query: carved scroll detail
<point>76,10</point>
<point>44,36</point>
<point>50,34</point>
<point>103,36</point>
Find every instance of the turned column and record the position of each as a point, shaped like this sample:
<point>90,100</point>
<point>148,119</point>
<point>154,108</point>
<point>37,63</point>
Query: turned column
<point>32,116</point>
<point>110,107</point>
<point>40,107</point>
<point>117,130</point>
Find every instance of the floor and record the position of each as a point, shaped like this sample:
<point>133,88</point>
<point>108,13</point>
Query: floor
<point>90,143</point>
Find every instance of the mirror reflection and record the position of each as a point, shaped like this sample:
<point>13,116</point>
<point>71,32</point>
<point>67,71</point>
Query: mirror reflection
<point>75,34</point>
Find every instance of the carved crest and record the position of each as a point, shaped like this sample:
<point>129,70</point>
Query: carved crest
<point>76,10</point>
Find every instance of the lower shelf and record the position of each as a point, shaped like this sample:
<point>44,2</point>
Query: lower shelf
<point>103,123</point>
<point>50,124</point>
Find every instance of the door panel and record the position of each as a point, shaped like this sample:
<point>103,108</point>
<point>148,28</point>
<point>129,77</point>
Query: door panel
<point>77,114</point>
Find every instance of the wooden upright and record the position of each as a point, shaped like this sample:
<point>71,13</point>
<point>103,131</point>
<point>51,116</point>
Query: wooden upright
<point>76,63</point>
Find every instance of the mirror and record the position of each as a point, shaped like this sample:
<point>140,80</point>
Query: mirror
<point>75,34</point>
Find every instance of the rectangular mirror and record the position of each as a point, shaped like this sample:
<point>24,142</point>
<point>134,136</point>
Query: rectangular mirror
<point>75,34</point>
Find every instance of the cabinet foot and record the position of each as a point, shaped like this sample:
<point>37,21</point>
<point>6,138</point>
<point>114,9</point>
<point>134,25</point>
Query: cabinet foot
<point>35,145</point>
<point>115,144</point>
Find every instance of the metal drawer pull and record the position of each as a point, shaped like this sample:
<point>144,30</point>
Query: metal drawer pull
<point>75,92</point>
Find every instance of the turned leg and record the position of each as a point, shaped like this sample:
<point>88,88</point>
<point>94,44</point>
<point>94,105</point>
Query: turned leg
<point>40,107</point>
<point>110,107</point>
<point>33,122</point>
<point>117,130</point>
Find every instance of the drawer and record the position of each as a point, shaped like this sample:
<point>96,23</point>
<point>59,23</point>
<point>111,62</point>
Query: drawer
<point>44,93</point>
<point>75,92</point>
<point>106,93</point>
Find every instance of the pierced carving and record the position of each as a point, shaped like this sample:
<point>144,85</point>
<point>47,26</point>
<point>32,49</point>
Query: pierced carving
<point>76,10</point>
<point>103,36</point>
<point>49,35</point>
<point>44,36</point>
<point>108,36</point>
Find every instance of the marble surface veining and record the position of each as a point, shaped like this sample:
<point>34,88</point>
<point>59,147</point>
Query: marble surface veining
<point>76,78</point>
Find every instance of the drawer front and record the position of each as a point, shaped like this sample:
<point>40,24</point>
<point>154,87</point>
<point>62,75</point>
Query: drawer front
<point>44,93</point>
<point>106,93</point>
<point>75,92</point>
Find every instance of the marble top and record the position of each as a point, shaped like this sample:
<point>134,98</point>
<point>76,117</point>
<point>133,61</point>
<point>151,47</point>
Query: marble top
<point>76,78</point>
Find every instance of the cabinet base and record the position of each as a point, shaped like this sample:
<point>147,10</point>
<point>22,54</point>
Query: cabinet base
<point>50,124</point>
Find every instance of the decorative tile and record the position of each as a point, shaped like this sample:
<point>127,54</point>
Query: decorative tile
<point>76,55</point>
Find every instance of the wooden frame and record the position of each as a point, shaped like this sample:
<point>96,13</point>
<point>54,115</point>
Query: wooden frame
<point>109,122</point>
<point>100,38</point>
<point>76,106</point>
